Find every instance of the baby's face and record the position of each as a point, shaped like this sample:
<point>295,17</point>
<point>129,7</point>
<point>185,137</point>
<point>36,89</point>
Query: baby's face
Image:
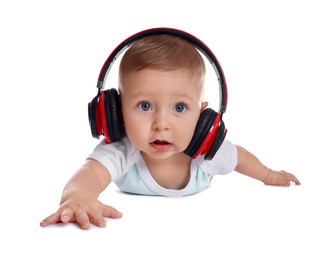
<point>160,110</point>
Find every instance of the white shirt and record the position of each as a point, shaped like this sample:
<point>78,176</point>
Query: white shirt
<point>129,172</point>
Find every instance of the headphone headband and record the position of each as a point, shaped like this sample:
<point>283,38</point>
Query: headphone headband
<point>198,44</point>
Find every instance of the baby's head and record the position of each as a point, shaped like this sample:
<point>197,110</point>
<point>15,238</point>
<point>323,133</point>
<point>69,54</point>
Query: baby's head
<point>161,85</point>
<point>165,53</point>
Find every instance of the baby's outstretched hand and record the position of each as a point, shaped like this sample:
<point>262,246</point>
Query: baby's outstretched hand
<point>83,215</point>
<point>280,178</point>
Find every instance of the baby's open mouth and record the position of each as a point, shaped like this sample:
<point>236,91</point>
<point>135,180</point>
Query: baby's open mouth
<point>161,145</point>
<point>160,142</point>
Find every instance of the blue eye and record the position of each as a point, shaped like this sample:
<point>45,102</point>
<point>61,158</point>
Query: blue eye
<point>180,107</point>
<point>144,106</point>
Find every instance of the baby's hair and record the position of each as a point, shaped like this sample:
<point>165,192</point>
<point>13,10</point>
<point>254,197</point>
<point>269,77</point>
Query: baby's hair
<point>163,52</point>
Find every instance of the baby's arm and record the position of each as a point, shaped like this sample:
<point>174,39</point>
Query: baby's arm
<point>79,198</point>
<point>249,165</point>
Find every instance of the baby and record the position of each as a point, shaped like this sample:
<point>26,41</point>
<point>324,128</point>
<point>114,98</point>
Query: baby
<point>161,86</point>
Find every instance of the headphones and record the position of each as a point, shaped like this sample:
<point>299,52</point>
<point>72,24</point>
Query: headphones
<point>104,111</point>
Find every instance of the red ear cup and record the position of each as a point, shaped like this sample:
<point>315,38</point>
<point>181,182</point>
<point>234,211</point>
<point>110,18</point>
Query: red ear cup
<point>209,134</point>
<point>105,116</point>
<point>113,115</point>
<point>92,107</point>
<point>213,143</point>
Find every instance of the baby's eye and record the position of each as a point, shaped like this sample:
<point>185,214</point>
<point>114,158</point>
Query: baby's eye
<point>144,106</point>
<point>180,107</point>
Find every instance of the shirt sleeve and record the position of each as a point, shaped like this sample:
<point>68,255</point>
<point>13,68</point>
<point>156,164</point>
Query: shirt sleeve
<point>116,157</point>
<point>224,161</point>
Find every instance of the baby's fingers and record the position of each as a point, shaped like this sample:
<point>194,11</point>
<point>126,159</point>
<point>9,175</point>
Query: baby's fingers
<point>52,219</point>
<point>291,178</point>
<point>97,216</point>
<point>281,178</point>
<point>78,215</point>
<point>82,218</point>
<point>67,215</point>
<point>110,212</point>
<point>284,178</point>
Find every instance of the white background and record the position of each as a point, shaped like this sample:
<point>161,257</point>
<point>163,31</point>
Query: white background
<point>275,55</point>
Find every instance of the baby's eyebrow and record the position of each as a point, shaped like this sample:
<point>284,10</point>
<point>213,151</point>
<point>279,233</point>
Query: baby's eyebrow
<point>187,97</point>
<point>138,95</point>
<point>183,96</point>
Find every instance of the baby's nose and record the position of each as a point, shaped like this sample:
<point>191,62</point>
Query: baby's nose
<point>161,121</point>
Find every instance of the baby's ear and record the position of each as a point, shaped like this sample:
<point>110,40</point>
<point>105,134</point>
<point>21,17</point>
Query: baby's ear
<point>204,105</point>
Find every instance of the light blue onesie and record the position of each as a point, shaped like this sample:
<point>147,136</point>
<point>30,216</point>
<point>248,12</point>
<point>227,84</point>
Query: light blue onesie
<point>130,173</point>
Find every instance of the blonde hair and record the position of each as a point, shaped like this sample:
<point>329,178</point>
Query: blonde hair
<point>163,52</point>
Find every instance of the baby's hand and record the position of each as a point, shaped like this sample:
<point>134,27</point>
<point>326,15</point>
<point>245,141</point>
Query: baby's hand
<point>94,213</point>
<point>280,178</point>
